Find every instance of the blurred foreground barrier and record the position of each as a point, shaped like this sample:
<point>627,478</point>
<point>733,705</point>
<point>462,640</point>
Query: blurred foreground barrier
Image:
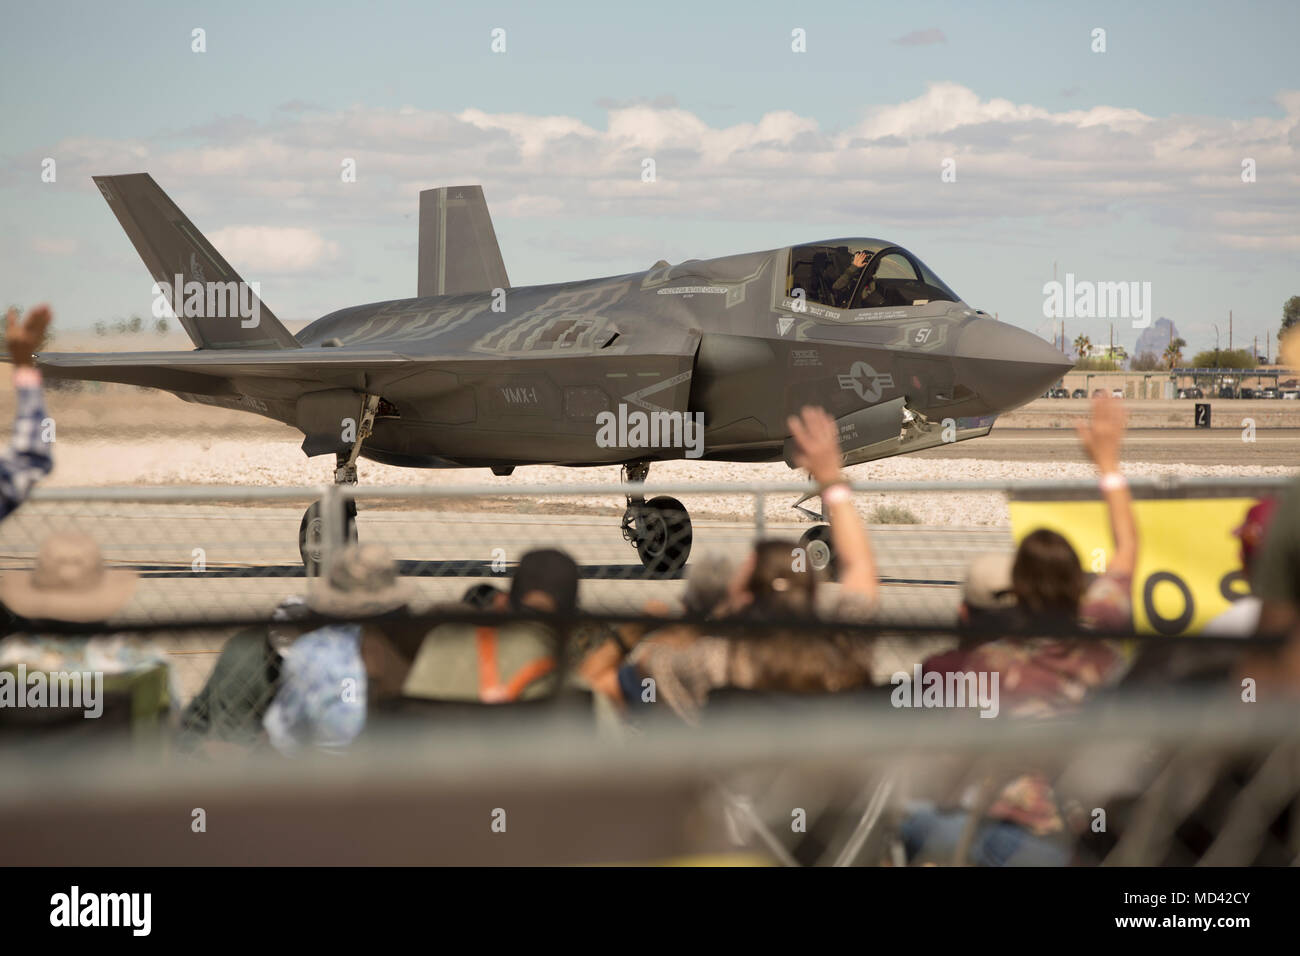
<point>1178,781</point>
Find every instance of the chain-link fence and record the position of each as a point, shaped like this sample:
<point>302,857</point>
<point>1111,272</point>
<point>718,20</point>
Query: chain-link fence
<point>219,553</point>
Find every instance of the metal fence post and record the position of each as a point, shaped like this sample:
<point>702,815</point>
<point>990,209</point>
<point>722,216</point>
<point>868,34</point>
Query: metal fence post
<point>333,523</point>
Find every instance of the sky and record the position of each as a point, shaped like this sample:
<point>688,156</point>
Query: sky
<point>1117,165</point>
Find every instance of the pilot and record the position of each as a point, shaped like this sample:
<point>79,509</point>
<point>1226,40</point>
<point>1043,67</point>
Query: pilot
<point>845,282</point>
<point>869,297</point>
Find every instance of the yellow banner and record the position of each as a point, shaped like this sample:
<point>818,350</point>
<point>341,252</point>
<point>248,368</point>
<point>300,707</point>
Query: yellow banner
<point>1189,561</point>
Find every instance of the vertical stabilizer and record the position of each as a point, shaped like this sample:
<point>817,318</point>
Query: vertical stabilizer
<point>458,246</point>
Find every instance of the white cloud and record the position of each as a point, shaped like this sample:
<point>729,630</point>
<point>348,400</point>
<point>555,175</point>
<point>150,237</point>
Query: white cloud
<point>922,37</point>
<point>274,249</point>
<point>1014,161</point>
<point>54,247</point>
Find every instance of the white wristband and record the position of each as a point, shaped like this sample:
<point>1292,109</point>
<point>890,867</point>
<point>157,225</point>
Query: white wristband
<point>1113,481</point>
<point>836,493</point>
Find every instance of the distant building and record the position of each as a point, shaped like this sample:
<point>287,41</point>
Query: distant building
<point>1156,338</point>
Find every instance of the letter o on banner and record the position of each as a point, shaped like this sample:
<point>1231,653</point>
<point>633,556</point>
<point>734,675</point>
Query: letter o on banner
<point>1167,625</point>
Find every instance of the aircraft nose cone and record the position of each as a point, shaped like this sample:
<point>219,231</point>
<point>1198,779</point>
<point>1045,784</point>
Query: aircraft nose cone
<point>1007,366</point>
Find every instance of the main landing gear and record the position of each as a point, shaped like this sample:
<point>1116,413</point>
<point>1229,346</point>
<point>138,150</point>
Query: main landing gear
<point>659,529</point>
<point>311,532</point>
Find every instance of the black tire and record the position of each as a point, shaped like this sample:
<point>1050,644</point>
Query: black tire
<point>665,541</point>
<point>309,534</point>
<point>816,542</point>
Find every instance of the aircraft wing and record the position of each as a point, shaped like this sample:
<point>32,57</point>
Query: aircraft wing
<point>212,372</point>
<point>280,373</point>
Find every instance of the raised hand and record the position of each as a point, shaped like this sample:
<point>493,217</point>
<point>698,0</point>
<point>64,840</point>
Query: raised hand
<point>25,337</point>
<point>1104,434</point>
<point>817,444</point>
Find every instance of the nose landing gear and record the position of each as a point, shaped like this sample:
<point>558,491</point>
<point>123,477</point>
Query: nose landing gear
<point>659,529</point>
<point>816,541</point>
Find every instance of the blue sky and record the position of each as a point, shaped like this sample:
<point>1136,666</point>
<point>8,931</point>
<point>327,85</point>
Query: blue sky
<point>1121,165</point>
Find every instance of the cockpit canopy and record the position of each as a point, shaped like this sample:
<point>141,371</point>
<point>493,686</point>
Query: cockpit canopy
<point>829,274</point>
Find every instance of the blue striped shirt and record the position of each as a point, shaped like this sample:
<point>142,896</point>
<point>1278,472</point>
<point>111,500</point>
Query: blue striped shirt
<point>27,459</point>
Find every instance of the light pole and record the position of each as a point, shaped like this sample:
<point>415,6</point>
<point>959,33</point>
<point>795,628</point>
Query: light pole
<point>1214,377</point>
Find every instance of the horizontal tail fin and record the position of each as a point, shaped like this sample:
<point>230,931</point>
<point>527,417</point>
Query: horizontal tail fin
<point>458,246</point>
<point>222,312</point>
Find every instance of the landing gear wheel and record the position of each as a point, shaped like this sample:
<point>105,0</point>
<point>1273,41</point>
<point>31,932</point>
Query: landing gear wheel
<point>663,541</point>
<point>816,542</point>
<point>311,534</point>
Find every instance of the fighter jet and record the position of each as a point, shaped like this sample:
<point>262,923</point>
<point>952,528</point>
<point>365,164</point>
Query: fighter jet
<point>702,360</point>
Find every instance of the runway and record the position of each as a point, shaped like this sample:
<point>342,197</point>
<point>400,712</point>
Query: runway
<point>1191,446</point>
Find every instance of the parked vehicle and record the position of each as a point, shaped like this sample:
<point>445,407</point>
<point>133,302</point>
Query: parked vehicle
<point>1227,392</point>
<point>1247,393</point>
<point>1079,393</point>
<point>1117,393</point>
<point>1269,392</point>
<point>1059,393</point>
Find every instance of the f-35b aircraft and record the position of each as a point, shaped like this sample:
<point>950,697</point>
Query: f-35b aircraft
<point>704,359</point>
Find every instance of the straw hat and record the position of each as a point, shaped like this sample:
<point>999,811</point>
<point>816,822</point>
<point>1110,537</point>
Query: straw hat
<point>69,583</point>
<point>360,580</point>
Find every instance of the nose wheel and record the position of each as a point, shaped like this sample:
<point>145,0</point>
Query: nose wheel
<point>816,543</point>
<point>659,529</point>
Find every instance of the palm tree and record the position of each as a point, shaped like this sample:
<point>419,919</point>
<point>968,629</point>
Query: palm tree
<point>1174,352</point>
<point>1083,346</point>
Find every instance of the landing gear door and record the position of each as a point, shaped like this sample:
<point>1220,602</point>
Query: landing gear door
<point>891,428</point>
<point>868,428</point>
<point>323,418</point>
